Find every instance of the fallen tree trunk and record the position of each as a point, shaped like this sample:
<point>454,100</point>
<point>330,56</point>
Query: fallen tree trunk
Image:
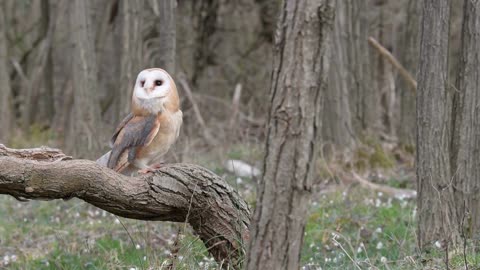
<point>176,192</point>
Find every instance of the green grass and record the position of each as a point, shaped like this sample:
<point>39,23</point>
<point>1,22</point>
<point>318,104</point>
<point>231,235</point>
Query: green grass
<point>351,229</point>
<point>75,235</point>
<point>359,228</point>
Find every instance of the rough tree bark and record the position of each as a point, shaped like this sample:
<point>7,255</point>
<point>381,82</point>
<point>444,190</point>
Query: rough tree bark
<point>160,38</point>
<point>409,59</point>
<point>364,96</point>
<point>6,119</point>
<point>207,13</point>
<point>437,220</point>
<point>268,15</point>
<point>85,116</point>
<point>337,119</point>
<point>131,53</point>
<point>177,192</point>
<point>38,90</point>
<point>465,159</point>
<point>300,69</point>
<point>167,34</point>
<point>383,70</point>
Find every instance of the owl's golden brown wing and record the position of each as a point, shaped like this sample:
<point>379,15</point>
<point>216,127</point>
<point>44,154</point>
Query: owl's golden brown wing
<point>135,133</point>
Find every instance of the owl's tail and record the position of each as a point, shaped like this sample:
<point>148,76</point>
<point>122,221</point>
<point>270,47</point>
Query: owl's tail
<point>103,160</point>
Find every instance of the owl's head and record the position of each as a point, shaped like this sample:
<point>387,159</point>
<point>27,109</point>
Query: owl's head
<point>155,91</point>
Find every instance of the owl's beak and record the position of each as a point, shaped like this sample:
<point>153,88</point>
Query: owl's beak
<point>148,89</point>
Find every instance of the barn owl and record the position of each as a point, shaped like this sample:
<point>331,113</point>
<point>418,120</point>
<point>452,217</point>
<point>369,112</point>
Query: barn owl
<point>147,133</point>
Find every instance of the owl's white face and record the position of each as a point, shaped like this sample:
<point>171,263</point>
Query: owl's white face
<point>152,84</point>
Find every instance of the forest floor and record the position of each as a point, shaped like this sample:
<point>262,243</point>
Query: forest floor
<point>349,227</point>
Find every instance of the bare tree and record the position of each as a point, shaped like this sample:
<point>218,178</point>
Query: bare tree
<point>167,35</point>
<point>466,125</point>
<point>337,118</point>
<point>206,20</point>
<point>383,71</point>
<point>83,140</point>
<point>409,58</point>
<point>437,220</point>
<point>301,65</point>
<point>6,119</point>
<point>131,53</point>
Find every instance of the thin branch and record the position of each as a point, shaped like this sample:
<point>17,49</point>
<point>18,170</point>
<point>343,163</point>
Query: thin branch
<point>215,211</point>
<point>205,131</point>
<point>404,72</point>
<point>235,105</point>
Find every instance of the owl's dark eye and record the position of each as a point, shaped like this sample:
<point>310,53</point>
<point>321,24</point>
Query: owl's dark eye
<point>158,82</point>
<point>142,83</point>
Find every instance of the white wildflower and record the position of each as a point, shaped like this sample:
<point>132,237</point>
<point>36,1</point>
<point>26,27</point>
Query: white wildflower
<point>378,230</point>
<point>239,180</point>
<point>117,221</point>
<point>438,244</point>
<point>383,259</point>
<point>379,245</point>
<point>137,246</point>
<point>6,260</point>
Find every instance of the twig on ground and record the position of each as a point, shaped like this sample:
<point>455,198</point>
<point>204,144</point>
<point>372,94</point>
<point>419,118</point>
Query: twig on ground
<point>205,131</point>
<point>395,192</point>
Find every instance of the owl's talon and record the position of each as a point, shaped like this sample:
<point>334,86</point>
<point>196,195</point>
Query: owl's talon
<point>151,169</point>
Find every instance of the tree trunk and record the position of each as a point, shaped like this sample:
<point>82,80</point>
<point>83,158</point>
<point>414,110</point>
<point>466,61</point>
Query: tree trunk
<point>409,59</point>
<point>384,71</point>
<point>6,119</point>
<point>206,26</point>
<point>466,125</point>
<point>364,95</point>
<point>45,98</point>
<point>83,139</point>
<point>437,220</point>
<point>131,53</point>
<point>301,65</point>
<point>167,34</point>
<point>337,119</point>
<point>268,14</point>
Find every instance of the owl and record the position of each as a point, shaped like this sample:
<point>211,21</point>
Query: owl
<point>152,127</point>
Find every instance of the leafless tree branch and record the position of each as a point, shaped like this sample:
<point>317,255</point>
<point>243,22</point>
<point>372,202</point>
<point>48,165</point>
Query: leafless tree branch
<point>176,192</point>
